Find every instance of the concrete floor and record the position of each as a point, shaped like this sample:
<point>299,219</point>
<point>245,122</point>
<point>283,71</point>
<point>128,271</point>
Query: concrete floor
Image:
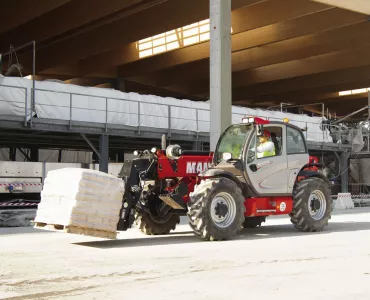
<point>272,262</point>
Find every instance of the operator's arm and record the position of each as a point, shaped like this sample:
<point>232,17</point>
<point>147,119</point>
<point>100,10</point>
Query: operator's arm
<point>268,146</point>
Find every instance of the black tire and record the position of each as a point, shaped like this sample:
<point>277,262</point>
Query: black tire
<point>154,225</point>
<point>301,216</point>
<point>253,222</point>
<point>200,210</point>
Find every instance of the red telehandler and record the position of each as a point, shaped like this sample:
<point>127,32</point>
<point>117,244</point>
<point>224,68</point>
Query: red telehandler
<point>232,188</point>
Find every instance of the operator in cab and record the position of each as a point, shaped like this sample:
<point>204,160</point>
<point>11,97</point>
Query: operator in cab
<point>266,148</point>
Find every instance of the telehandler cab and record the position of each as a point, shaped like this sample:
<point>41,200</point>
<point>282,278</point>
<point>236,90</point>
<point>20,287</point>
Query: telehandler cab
<point>260,168</point>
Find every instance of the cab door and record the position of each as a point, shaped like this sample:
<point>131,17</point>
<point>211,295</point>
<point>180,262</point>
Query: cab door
<point>269,175</point>
<point>297,154</point>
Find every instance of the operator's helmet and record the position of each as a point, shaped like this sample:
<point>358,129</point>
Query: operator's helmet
<point>266,133</point>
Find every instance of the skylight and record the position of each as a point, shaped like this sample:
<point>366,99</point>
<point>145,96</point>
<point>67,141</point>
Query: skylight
<point>353,92</point>
<point>184,36</point>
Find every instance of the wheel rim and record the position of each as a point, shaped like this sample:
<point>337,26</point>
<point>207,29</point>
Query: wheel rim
<point>317,205</point>
<point>223,210</point>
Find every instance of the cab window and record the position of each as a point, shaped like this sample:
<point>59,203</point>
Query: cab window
<point>233,140</point>
<point>268,145</point>
<point>295,141</point>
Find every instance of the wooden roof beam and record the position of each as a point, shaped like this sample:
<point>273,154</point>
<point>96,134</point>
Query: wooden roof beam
<point>248,31</point>
<point>360,6</point>
<point>17,12</point>
<point>62,19</point>
<point>340,60</point>
<point>350,78</point>
<point>332,30</point>
<point>314,94</point>
<point>126,54</point>
<point>125,29</point>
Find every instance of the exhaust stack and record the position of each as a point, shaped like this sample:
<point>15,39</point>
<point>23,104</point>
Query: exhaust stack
<point>163,143</point>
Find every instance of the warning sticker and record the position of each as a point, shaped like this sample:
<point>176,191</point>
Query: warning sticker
<point>282,206</point>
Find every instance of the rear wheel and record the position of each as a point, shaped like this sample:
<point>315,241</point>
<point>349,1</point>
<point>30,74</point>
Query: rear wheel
<point>253,222</point>
<point>312,205</point>
<point>216,209</point>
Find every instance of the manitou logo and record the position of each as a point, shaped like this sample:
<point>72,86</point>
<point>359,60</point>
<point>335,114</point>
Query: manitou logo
<point>196,167</point>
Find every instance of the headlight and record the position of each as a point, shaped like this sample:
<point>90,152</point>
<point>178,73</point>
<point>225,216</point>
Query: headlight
<point>153,150</point>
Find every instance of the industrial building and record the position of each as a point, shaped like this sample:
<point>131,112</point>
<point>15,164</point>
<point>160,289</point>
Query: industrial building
<point>89,88</point>
<point>85,83</point>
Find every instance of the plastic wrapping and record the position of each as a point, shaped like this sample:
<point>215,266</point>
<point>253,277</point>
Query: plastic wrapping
<point>82,198</point>
<point>59,101</point>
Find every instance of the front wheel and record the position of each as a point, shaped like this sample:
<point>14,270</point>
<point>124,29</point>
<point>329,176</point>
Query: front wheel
<point>312,205</point>
<point>155,225</point>
<point>216,209</point>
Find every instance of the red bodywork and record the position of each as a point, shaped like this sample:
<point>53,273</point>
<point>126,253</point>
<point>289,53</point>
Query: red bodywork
<point>259,121</point>
<point>185,166</point>
<point>186,170</point>
<point>267,206</point>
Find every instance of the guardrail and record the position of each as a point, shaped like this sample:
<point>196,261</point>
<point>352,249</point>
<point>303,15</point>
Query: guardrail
<point>23,104</point>
<point>137,109</point>
<point>75,106</point>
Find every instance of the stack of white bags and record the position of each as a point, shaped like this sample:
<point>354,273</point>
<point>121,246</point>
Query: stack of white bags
<point>83,198</point>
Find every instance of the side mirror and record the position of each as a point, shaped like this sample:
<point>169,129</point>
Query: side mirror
<point>259,129</point>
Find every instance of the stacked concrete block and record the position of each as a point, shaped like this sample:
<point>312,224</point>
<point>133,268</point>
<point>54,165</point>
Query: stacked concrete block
<point>81,198</point>
<point>344,201</point>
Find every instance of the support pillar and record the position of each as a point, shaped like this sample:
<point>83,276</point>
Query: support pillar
<point>197,146</point>
<point>34,154</point>
<point>104,153</point>
<point>344,163</point>
<point>220,68</point>
<point>368,103</point>
<point>60,155</point>
<point>12,154</point>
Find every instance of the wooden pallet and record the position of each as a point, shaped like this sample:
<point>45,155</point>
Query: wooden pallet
<point>76,230</point>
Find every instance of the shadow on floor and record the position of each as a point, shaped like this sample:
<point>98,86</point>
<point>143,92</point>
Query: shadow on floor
<point>264,232</point>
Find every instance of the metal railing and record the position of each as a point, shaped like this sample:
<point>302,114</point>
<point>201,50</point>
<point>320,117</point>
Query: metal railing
<point>322,131</point>
<point>108,106</point>
<point>25,103</point>
<point>72,106</point>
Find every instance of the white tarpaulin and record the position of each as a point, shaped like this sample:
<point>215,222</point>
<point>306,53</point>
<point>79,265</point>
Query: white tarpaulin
<point>15,96</point>
<point>59,101</point>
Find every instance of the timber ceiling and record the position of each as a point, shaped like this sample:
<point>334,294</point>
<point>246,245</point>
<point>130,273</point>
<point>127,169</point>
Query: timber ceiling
<point>290,51</point>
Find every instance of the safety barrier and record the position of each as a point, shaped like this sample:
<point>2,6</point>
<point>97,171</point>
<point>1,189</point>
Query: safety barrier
<point>76,107</point>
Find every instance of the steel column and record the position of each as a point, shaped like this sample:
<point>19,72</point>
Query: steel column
<point>197,146</point>
<point>220,68</point>
<point>368,103</point>
<point>34,154</point>
<point>344,167</point>
<point>103,153</point>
